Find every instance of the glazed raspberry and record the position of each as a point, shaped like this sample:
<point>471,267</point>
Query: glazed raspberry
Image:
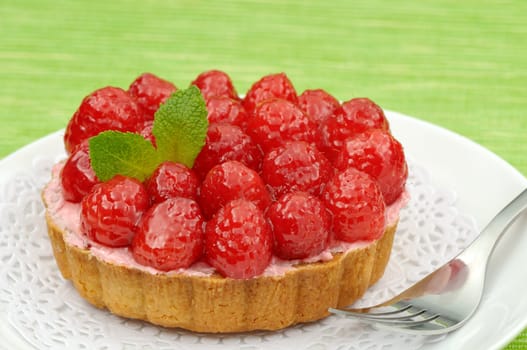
<point>111,212</point>
<point>296,166</point>
<point>215,83</point>
<point>146,131</point>
<point>300,226</point>
<point>170,235</point>
<point>108,108</point>
<point>270,87</point>
<point>238,240</point>
<point>150,91</point>
<point>226,142</point>
<point>363,114</point>
<point>356,204</point>
<point>171,180</point>
<point>228,181</point>
<point>226,110</point>
<point>355,116</point>
<point>276,121</point>
<point>77,175</point>
<point>379,154</point>
<point>318,104</point>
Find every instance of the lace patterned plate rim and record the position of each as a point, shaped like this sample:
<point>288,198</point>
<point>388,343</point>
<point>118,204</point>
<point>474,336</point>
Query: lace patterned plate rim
<point>31,299</point>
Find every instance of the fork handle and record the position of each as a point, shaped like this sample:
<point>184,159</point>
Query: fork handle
<point>483,246</point>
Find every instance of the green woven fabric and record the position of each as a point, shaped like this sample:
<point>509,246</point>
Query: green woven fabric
<point>458,64</point>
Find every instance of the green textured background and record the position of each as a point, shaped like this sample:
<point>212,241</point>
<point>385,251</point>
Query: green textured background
<point>458,64</point>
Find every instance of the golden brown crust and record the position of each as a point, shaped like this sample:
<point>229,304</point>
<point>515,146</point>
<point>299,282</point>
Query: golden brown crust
<point>216,304</point>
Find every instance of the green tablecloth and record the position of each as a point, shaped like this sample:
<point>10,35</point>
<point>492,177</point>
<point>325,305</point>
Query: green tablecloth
<point>458,64</point>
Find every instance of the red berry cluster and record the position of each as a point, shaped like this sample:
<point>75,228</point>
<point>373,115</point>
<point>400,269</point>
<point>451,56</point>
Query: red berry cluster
<point>280,174</point>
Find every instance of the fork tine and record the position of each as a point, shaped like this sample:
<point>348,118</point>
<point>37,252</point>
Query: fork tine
<point>407,318</point>
<point>366,311</point>
<point>396,309</point>
<point>406,323</point>
<point>376,315</point>
<point>387,318</point>
<point>392,315</point>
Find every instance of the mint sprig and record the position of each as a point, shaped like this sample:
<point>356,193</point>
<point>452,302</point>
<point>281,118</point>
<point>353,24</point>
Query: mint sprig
<point>129,154</point>
<point>180,128</point>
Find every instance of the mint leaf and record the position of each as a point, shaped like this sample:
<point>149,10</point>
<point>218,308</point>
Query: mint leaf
<point>180,129</point>
<point>128,154</point>
<point>180,126</point>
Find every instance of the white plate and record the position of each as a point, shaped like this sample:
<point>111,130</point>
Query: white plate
<point>483,182</point>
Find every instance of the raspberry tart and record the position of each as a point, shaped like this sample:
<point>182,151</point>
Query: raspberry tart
<point>197,209</point>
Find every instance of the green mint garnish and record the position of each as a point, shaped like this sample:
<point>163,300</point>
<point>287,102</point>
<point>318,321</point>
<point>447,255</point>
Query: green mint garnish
<point>180,126</point>
<point>180,129</point>
<point>115,152</point>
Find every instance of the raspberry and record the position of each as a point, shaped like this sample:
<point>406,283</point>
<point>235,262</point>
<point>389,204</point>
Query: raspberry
<point>77,175</point>
<point>146,131</point>
<point>363,114</point>
<point>318,104</point>
<point>238,240</point>
<point>354,116</point>
<point>150,91</point>
<point>108,108</point>
<point>300,225</point>
<point>270,87</point>
<point>276,121</point>
<point>215,83</point>
<point>226,110</point>
<point>296,166</point>
<point>356,204</point>
<point>170,235</point>
<point>379,154</point>
<point>228,181</point>
<point>226,142</point>
<point>111,212</point>
<point>171,180</point>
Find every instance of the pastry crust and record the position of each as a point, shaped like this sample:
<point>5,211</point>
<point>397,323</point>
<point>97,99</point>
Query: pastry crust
<point>215,304</point>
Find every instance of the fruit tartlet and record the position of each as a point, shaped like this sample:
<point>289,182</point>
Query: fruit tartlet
<point>199,209</point>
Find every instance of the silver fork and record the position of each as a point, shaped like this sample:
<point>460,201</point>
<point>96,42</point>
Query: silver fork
<point>444,300</point>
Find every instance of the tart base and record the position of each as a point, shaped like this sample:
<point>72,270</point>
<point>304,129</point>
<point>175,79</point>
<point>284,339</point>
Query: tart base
<point>215,304</point>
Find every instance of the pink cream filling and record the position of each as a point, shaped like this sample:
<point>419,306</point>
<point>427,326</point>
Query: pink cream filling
<point>67,216</point>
